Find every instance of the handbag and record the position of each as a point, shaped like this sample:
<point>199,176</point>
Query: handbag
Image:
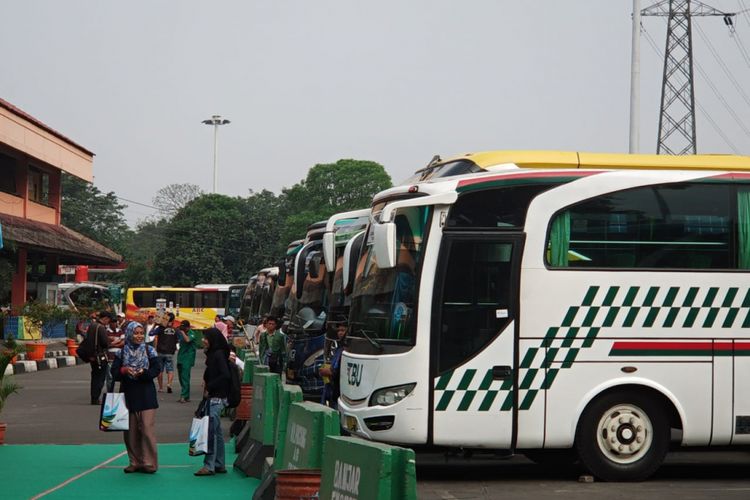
<point>198,437</point>
<point>114,414</point>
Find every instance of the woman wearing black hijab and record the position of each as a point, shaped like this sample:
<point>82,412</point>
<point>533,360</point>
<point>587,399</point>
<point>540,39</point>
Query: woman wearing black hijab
<point>216,380</point>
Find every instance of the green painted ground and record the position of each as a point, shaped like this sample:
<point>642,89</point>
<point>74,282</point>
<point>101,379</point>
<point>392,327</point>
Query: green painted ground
<point>29,471</point>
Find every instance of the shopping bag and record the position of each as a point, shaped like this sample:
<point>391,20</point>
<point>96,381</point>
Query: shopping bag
<point>198,441</point>
<point>114,414</point>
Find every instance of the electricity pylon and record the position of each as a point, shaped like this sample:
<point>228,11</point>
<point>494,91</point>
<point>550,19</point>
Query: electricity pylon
<point>677,134</point>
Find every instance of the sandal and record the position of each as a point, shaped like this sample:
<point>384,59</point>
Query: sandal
<point>203,472</point>
<point>220,470</point>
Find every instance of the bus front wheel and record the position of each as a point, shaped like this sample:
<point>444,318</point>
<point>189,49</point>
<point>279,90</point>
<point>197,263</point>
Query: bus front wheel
<point>623,436</point>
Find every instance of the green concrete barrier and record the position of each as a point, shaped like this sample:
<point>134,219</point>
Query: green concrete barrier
<point>307,427</point>
<point>265,407</point>
<point>354,468</point>
<point>288,394</point>
<point>251,368</point>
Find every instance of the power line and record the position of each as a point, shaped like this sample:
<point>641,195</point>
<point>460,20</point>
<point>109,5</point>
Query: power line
<point>722,64</point>
<point>711,121</point>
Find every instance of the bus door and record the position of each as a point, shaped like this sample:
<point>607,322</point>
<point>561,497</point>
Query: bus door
<point>473,340</point>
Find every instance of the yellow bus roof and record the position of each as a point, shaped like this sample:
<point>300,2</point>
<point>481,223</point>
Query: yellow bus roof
<point>576,159</point>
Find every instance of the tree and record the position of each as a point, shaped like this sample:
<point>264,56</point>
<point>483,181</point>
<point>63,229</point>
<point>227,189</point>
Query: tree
<point>330,188</point>
<point>206,241</point>
<point>98,215</point>
<point>170,199</point>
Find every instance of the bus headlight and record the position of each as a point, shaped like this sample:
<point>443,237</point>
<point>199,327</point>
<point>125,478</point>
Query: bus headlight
<point>312,357</point>
<point>391,395</point>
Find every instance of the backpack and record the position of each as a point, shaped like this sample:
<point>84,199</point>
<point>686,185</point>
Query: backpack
<point>233,400</point>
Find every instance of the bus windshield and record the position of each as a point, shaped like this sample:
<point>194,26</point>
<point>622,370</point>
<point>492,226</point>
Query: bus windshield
<point>384,300</point>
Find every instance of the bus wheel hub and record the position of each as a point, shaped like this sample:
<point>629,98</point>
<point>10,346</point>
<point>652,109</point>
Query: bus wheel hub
<point>624,433</point>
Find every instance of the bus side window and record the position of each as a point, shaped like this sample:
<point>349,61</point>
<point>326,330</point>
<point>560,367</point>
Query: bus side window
<point>672,226</point>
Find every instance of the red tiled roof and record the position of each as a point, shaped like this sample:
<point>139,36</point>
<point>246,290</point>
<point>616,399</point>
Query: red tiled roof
<point>56,239</point>
<point>13,109</point>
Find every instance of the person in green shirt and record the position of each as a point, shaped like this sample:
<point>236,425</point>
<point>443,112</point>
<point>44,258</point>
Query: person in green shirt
<point>272,346</point>
<point>185,359</point>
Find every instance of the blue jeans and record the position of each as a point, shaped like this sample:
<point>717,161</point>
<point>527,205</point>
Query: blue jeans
<point>214,459</point>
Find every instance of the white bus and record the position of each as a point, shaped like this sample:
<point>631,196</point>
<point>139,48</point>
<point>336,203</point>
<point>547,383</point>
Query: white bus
<point>564,305</point>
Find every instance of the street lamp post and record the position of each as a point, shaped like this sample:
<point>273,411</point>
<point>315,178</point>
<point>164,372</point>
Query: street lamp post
<point>216,120</point>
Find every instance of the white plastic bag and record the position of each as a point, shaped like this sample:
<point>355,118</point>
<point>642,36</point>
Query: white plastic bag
<point>198,440</point>
<point>114,415</point>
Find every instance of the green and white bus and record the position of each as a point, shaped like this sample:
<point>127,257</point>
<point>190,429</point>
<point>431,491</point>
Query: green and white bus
<point>560,305</point>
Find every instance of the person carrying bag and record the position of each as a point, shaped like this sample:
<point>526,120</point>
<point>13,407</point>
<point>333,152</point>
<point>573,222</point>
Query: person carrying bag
<point>198,438</point>
<point>93,350</point>
<point>135,367</point>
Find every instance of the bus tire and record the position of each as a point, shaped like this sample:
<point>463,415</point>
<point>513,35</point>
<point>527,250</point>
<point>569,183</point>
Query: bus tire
<point>623,436</point>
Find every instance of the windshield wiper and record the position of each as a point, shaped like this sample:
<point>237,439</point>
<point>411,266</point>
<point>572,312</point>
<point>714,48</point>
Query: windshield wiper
<point>377,345</point>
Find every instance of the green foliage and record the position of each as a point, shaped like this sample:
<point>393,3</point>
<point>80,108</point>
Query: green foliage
<point>8,350</point>
<point>98,215</point>
<point>331,188</point>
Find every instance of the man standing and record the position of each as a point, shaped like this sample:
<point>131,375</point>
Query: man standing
<point>165,341</point>
<point>185,359</point>
<point>272,346</point>
<point>229,321</point>
<point>96,337</point>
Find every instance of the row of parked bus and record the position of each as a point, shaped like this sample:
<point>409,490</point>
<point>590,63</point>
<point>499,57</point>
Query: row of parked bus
<point>567,306</point>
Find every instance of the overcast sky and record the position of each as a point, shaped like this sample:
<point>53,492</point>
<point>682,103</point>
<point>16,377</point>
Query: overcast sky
<point>306,82</point>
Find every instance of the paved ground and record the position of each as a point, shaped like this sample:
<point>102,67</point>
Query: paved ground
<point>53,408</point>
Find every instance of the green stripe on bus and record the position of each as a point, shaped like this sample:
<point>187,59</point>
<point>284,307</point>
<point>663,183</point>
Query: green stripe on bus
<point>570,316</point>
<point>690,297</point>
<point>671,317</point>
<point>526,404</point>
<point>551,334</point>
<point>590,295</point>
<point>570,358</point>
<point>711,317</point>
<point>466,400</point>
<point>731,316</point>
<point>630,296</point>
<point>692,314</point>
<point>466,379</point>
<point>570,337</point>
<point>444,401</point>
<point>486,381</point>
<point>590,337</point>
<point>708,301</point>
<point>729,297</point>
<point>630,318</point>
<point>611,317</point>
<point>529,378</point>
<point>508,403</point>
<point>671,295</point>
<point>611,294</point>
<point>489,398</point>
<point>591,316</point>
<point>442,382</point>
<point>650,296</point>
<point>549,378</point>
<point>529,357</point>
<point>550,357</point>
<point>651,317</point>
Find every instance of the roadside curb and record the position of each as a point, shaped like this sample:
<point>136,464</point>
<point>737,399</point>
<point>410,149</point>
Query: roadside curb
<point>59,360</point>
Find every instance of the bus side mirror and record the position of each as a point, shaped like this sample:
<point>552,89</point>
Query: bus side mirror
<point>313,264</point>
<point>281,279</point>
<point>385,244</point>
<point>329,251</point>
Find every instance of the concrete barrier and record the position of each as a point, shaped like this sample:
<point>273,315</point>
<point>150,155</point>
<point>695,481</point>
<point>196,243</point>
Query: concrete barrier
<point>288,394</point>
<point>262,424</point>
<point>308,426</point>
<point>358,469</point>
<point>46,364</point>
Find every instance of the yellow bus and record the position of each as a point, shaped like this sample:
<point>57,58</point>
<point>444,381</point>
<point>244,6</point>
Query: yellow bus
<point>198,305</point>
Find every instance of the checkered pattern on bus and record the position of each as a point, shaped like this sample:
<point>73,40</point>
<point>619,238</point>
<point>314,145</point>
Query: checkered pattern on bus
<point>467,389</point>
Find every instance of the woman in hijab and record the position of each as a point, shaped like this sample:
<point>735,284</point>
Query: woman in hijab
<point>216,380</point>
<point>135,367</point>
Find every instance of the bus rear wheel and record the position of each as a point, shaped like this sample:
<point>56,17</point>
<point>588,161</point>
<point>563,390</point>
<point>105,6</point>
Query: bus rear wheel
<point>623,436</point>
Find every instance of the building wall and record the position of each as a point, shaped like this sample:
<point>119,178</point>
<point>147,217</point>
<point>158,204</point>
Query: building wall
<point>32,140</point>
